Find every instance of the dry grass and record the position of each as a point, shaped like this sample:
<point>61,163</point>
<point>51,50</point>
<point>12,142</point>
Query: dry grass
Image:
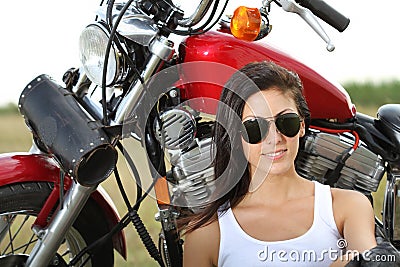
<point>14,134</point>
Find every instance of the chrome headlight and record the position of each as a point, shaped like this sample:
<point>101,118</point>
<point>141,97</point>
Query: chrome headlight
<point>92,49</point>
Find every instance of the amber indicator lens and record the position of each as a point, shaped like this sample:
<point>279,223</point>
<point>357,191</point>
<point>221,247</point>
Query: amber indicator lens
<point>246,23</point>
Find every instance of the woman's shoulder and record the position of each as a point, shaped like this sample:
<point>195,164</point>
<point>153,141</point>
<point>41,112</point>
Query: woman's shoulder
<point>350,205</point>
<point>355,215</point>
<point>206,229</point>
<point>203,241</point>
<point>349,197</point>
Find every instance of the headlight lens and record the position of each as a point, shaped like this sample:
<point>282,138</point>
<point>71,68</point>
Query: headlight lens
<point>92,48</point>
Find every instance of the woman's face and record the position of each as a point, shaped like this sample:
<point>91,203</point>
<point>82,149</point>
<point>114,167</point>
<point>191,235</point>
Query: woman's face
<point>274,155</point>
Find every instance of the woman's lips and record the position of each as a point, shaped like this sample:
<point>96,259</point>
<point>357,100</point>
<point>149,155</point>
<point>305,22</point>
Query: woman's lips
<point>275,155</point>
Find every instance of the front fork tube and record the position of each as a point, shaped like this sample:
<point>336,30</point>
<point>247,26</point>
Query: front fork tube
<point>51,237</point>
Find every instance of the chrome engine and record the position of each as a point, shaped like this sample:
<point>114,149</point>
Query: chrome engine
<point>190,156</point>
<point>321,154</point>
<point>193,172</point>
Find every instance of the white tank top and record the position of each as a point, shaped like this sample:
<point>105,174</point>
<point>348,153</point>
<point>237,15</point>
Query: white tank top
<point>319,246</point>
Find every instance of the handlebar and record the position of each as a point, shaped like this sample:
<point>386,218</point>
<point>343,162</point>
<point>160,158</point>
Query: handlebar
<point>327,13</point>
<point>197,15</point>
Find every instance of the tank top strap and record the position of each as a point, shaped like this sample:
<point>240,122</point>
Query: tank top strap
<point>323,209</point>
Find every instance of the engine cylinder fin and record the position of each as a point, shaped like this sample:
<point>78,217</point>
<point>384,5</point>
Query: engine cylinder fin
<point>178,128</point>
<point>320,156</point>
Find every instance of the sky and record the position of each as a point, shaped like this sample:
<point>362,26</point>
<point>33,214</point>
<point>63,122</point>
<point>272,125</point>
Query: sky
<point>42,37</point>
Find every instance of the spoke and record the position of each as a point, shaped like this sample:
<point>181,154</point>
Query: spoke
<point>12,217</point>
<point>26,245</point>
<point>12,237</point>
<point>16,228</point>
<point>6,228</point>
<point>31,241</point>
<point>65,253</point>
<point>22,225</point>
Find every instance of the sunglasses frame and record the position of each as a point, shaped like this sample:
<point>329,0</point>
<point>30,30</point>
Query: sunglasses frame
<point>263,129</point>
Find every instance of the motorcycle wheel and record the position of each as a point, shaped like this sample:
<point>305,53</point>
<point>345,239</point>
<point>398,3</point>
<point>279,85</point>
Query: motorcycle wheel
<point>19,205</point>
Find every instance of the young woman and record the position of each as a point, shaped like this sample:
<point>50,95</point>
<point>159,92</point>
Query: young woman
<point>267,215</point>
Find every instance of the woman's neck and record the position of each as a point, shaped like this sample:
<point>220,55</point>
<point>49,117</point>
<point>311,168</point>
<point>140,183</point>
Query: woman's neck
<point>276,189</point>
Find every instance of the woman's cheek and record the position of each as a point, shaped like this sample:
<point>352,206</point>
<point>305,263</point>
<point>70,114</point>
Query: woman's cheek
<point>248,150</point>
<point>252,153</point>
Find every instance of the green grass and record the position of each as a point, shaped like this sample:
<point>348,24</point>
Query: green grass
<point>10,108</point>
<point>369,94</point>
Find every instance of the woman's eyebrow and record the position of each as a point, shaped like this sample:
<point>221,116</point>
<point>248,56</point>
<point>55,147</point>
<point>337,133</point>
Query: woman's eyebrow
<point>283,111</point>
<point>279,113</point>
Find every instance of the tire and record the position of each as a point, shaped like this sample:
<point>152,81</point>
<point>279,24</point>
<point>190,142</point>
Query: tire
<point>19,205</point>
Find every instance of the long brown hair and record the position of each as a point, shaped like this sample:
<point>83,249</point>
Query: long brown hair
<point>229,154</point>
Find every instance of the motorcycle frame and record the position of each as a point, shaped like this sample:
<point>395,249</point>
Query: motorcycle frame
<point>391,206</point>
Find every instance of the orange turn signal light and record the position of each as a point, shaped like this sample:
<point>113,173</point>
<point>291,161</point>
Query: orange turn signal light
<point>246,23</point>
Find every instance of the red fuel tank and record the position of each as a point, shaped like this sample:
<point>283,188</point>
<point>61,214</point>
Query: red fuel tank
<point>325,100</point>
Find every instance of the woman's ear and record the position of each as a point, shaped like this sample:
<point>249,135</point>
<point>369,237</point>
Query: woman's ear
<point>302,128</point>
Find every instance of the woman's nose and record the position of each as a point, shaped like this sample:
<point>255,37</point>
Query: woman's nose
<point>274,136</point>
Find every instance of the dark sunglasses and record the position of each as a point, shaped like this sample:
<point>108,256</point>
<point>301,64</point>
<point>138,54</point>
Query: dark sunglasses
<point>257,129</point>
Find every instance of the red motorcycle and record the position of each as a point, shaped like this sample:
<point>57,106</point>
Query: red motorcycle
<point>134,85</point>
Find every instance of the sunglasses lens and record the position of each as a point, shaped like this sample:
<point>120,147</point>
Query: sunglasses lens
<point>256,130</point>
<point>288,124</point>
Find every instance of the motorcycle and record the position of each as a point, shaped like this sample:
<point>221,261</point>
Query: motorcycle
<point>135,85</point>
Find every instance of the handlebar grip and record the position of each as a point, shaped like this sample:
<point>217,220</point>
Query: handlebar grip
<point>327,13</point>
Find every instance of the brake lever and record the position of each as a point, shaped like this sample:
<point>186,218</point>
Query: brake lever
<point>308,16</point>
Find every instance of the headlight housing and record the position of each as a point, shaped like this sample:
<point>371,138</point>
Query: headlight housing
<point>92,49</point>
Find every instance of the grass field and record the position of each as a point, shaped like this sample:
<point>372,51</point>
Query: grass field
<point>16,137</point>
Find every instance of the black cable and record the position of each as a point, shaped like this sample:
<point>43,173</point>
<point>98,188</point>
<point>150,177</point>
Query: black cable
<point>138,224</point>
<point>117,228</point>
<point>145,237</point>
<point>134,170</point>
<point>191,31</point>
<point>218,18</point>
<point>116,40</point>
<point>107,54</point>
<point>210,18</point>
<point>110,6</point>
<point>122,190</point>
<point>201,30</point>
<point>205,24</point>
<point>113,38</point>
